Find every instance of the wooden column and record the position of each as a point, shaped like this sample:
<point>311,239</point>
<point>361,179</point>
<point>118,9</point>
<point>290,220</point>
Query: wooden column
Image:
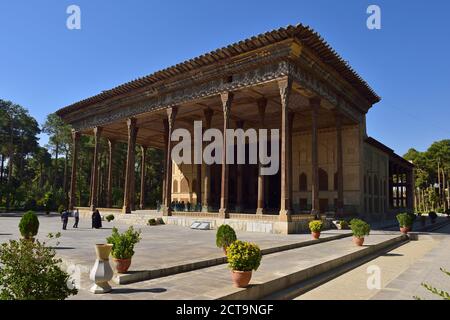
<point>132,133</point>
<point>339,165</point>
<point>291,116</point>
<point>111,147</point>
<point>73,177</point>
<point>390,187</point>
<point>315,104</point>
<point>208,113</point>
<point>285,87</point>
<point>239,173</point>
<point>260,206</point>
<point>171,115</point>
<point>166,138</point>
<point>94,178</point>
<point>143,168</point>
<point>227,98</point>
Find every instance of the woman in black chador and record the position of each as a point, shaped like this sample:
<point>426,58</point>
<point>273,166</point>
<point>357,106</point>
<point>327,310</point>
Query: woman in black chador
<point>96,220</point>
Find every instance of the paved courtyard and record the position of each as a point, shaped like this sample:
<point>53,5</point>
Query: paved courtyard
<point>169,245</point>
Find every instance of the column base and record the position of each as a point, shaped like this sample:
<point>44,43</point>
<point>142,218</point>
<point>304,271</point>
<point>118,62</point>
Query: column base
<point>260,211</point>
<point>285,215</point>
<point>223,213</point>
<point>167,211</point>
<point>126,209</point>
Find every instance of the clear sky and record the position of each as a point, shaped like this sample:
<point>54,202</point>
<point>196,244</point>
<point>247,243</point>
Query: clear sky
<point>45,66</point>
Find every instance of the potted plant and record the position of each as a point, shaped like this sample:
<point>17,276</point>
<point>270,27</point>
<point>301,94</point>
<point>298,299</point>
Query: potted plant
<point>433,216</point>
<point>405,221</point>
<point>152,222</point>
<point>243,257</point>
<point>123,247</point>
<point>315,226</point>
<point>29,225</point>
<point>360,229</point>
<point>109,217</point>
<point>224,237</point>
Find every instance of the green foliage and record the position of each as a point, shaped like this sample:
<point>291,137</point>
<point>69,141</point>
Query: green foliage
<point>49,202</point>
<point>61,208</point>
<point>343,224</point>
<point>359,228</point>
<point>109,217</point>
<point>152,222</point>
<point>29,225</point>
<point>315,225</point>
<point>123,243</point>
<point>30,271</point>
<point>225,236</point>
<point>243,256</point>
<point>405,219</point>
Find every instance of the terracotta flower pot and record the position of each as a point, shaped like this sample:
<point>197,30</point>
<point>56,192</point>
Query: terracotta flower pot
<point>358,241</point>
<point>405,230</point>
<point>241,279</point>
<point>315,235</point>
<point>122,265</point>
<point>102,251</point>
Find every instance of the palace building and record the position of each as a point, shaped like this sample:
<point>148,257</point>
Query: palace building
<point>288,79</point>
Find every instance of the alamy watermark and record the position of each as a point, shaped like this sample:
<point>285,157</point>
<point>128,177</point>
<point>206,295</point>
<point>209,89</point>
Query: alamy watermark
<point>182,152</point>
<point>374,20</point>
<point>374,279</point>
<point>73,21</point>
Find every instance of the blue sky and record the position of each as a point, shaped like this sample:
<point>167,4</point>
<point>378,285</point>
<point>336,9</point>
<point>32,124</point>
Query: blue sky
<point>45,66</point>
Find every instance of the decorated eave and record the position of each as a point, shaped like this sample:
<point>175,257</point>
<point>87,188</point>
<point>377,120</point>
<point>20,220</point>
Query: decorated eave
<point>304,34</point>
<point>377,144</point>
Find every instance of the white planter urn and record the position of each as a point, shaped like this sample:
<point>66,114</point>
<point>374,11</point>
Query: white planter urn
<point>102,272</point>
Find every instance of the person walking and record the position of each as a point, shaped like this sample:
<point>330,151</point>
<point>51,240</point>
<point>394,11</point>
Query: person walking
<point>96,220</point>
<point>76,215</point>
<point>65,219</point>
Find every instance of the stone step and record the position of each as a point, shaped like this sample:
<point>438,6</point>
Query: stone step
<point>143,275</point>
<point>296,276</point>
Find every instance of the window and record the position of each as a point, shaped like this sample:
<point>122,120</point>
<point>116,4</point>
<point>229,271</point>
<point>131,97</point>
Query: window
<point>184,186</point>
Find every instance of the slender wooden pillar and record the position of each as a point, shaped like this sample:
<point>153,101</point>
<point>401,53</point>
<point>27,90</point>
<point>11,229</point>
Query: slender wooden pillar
<point>285,87</point>
<point>339,165</point>
<point>73,177</point>
<point>208,113</point>
<point>111,147</point>
<point>166,138</point>
<point>239,172</point>
<point>291,116</point>
<point>132,133</point>
<point>171,115</point>
<point>227,98</point>
<point>315,104</point>
<point>260,206</point>
<point>94,177</point>
<point>143,169</point>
